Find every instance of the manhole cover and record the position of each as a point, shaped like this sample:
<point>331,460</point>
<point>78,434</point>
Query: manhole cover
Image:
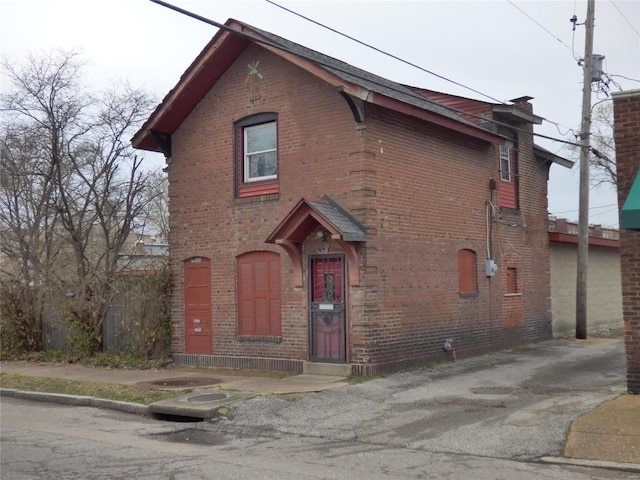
<point>207,397</point>
<point>184,382</point>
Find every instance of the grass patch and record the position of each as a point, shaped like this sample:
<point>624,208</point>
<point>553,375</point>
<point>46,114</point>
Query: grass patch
<point>124,360</point>
<point>110,391</point>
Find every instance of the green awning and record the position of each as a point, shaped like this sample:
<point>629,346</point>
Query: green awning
<point>631,208</point>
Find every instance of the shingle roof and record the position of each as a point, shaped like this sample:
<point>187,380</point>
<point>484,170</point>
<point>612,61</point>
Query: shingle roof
<point>357,76</point>
<point>351,232</point>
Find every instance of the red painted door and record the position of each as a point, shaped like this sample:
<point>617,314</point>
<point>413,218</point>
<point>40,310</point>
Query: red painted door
<point>197,306</point>
<point>327,310</point>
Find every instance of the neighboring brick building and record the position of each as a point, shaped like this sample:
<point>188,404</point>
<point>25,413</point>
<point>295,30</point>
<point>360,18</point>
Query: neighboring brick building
<point>626,111</point>
<point>604,308</point>
<point>321,213</point>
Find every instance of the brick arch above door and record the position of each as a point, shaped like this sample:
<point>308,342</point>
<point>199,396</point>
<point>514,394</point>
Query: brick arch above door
<point>327,218</point>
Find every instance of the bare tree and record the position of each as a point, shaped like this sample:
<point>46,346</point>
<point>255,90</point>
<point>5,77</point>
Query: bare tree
<point>28,245</point>
<point>157,212</point>
<point>91,185</point>
<point>603,159</point>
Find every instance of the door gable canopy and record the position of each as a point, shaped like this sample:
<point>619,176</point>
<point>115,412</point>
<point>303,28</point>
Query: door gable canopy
<point>305,218</point>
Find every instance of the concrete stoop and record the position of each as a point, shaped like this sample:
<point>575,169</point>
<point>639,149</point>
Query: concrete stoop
<point>329,369</point>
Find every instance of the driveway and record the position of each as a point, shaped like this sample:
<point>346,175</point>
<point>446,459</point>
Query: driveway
<point>486,418</point>
<point>514,404</point>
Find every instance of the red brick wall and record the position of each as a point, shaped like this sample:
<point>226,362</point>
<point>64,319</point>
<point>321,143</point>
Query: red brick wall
<point>627,137</point>
<point>319,148</point>
<point>428,197</point>
<point>420,190</point>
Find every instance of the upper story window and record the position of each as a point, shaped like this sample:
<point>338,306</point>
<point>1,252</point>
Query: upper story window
<point>257,155</point>
<point>509,184</point>
<point>260,153</point>
<point>505,161</point>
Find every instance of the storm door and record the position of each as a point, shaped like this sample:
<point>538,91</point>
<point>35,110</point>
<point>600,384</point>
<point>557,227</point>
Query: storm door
<point>327,309</point>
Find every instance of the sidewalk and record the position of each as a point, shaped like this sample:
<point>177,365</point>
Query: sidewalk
<point>608,436</point>
<point>209,392</point>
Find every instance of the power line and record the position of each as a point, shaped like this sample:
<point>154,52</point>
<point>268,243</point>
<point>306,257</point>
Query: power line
<point>626,78</point>
<point>395,57</point>
<point>334,67</point>
<point>625,18</point>
<point>590,208</point>
<point>539,24</point>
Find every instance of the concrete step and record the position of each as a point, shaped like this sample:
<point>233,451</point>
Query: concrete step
<point>333,369</point>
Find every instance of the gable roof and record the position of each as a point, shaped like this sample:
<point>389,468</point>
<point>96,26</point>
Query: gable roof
<point>351,81</point>
<point>308,215</point>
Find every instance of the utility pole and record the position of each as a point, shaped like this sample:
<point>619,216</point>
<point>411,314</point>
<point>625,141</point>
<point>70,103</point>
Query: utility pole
<point>583,221</point>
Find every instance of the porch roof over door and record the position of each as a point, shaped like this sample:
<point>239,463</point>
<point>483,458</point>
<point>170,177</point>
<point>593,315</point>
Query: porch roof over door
<point>335,223</point>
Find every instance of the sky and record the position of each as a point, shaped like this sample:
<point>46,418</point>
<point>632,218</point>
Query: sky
<point>502,48</point>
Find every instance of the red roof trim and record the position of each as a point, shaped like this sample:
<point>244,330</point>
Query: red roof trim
<point>222,51</point>
<point>594,241</point>
<point>431,117</point>
<point>194,83</point>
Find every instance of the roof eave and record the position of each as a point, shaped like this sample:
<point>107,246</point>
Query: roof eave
<point>516,114</point>
<point>414,111</point>
<point>548,156</point>
<point>181,100</point>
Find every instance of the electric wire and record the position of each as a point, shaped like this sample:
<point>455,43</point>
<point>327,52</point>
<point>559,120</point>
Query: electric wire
<point>379,50</point>
<point>590,208</point>
<point>320,24</point>
<point>626,78</point>
<point>625,18</point>
<point>539,24</point>
<point>272,44</point>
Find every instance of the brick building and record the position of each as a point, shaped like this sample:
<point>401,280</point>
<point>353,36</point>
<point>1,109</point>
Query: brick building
<point>320,213</point>
<point>626,111</point>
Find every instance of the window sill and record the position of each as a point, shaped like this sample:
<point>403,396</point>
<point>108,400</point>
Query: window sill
<point>513,294</point>
<point>258,189</point>
<point>259,338</point>
<point>257,199</point>
<point>469,295</point>
<point>509,210</point>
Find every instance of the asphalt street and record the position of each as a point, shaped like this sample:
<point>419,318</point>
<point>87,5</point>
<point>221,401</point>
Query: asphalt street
<point>490,417</point>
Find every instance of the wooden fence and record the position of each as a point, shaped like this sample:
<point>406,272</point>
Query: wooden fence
<point>134,322</point>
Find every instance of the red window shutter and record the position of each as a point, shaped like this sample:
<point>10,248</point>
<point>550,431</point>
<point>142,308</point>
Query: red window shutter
<point>512,280</point>
<point>259,303</point>
<point>467,271</point>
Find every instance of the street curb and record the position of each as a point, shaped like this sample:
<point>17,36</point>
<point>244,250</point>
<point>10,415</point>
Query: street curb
<point>579,462</point>
<point>76,400</point>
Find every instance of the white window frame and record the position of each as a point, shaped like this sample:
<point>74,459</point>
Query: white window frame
<point>505,154</point>
<point>247,155</point>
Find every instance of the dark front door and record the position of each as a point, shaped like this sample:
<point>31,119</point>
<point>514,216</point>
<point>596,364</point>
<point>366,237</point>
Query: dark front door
<point>327,309</point>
